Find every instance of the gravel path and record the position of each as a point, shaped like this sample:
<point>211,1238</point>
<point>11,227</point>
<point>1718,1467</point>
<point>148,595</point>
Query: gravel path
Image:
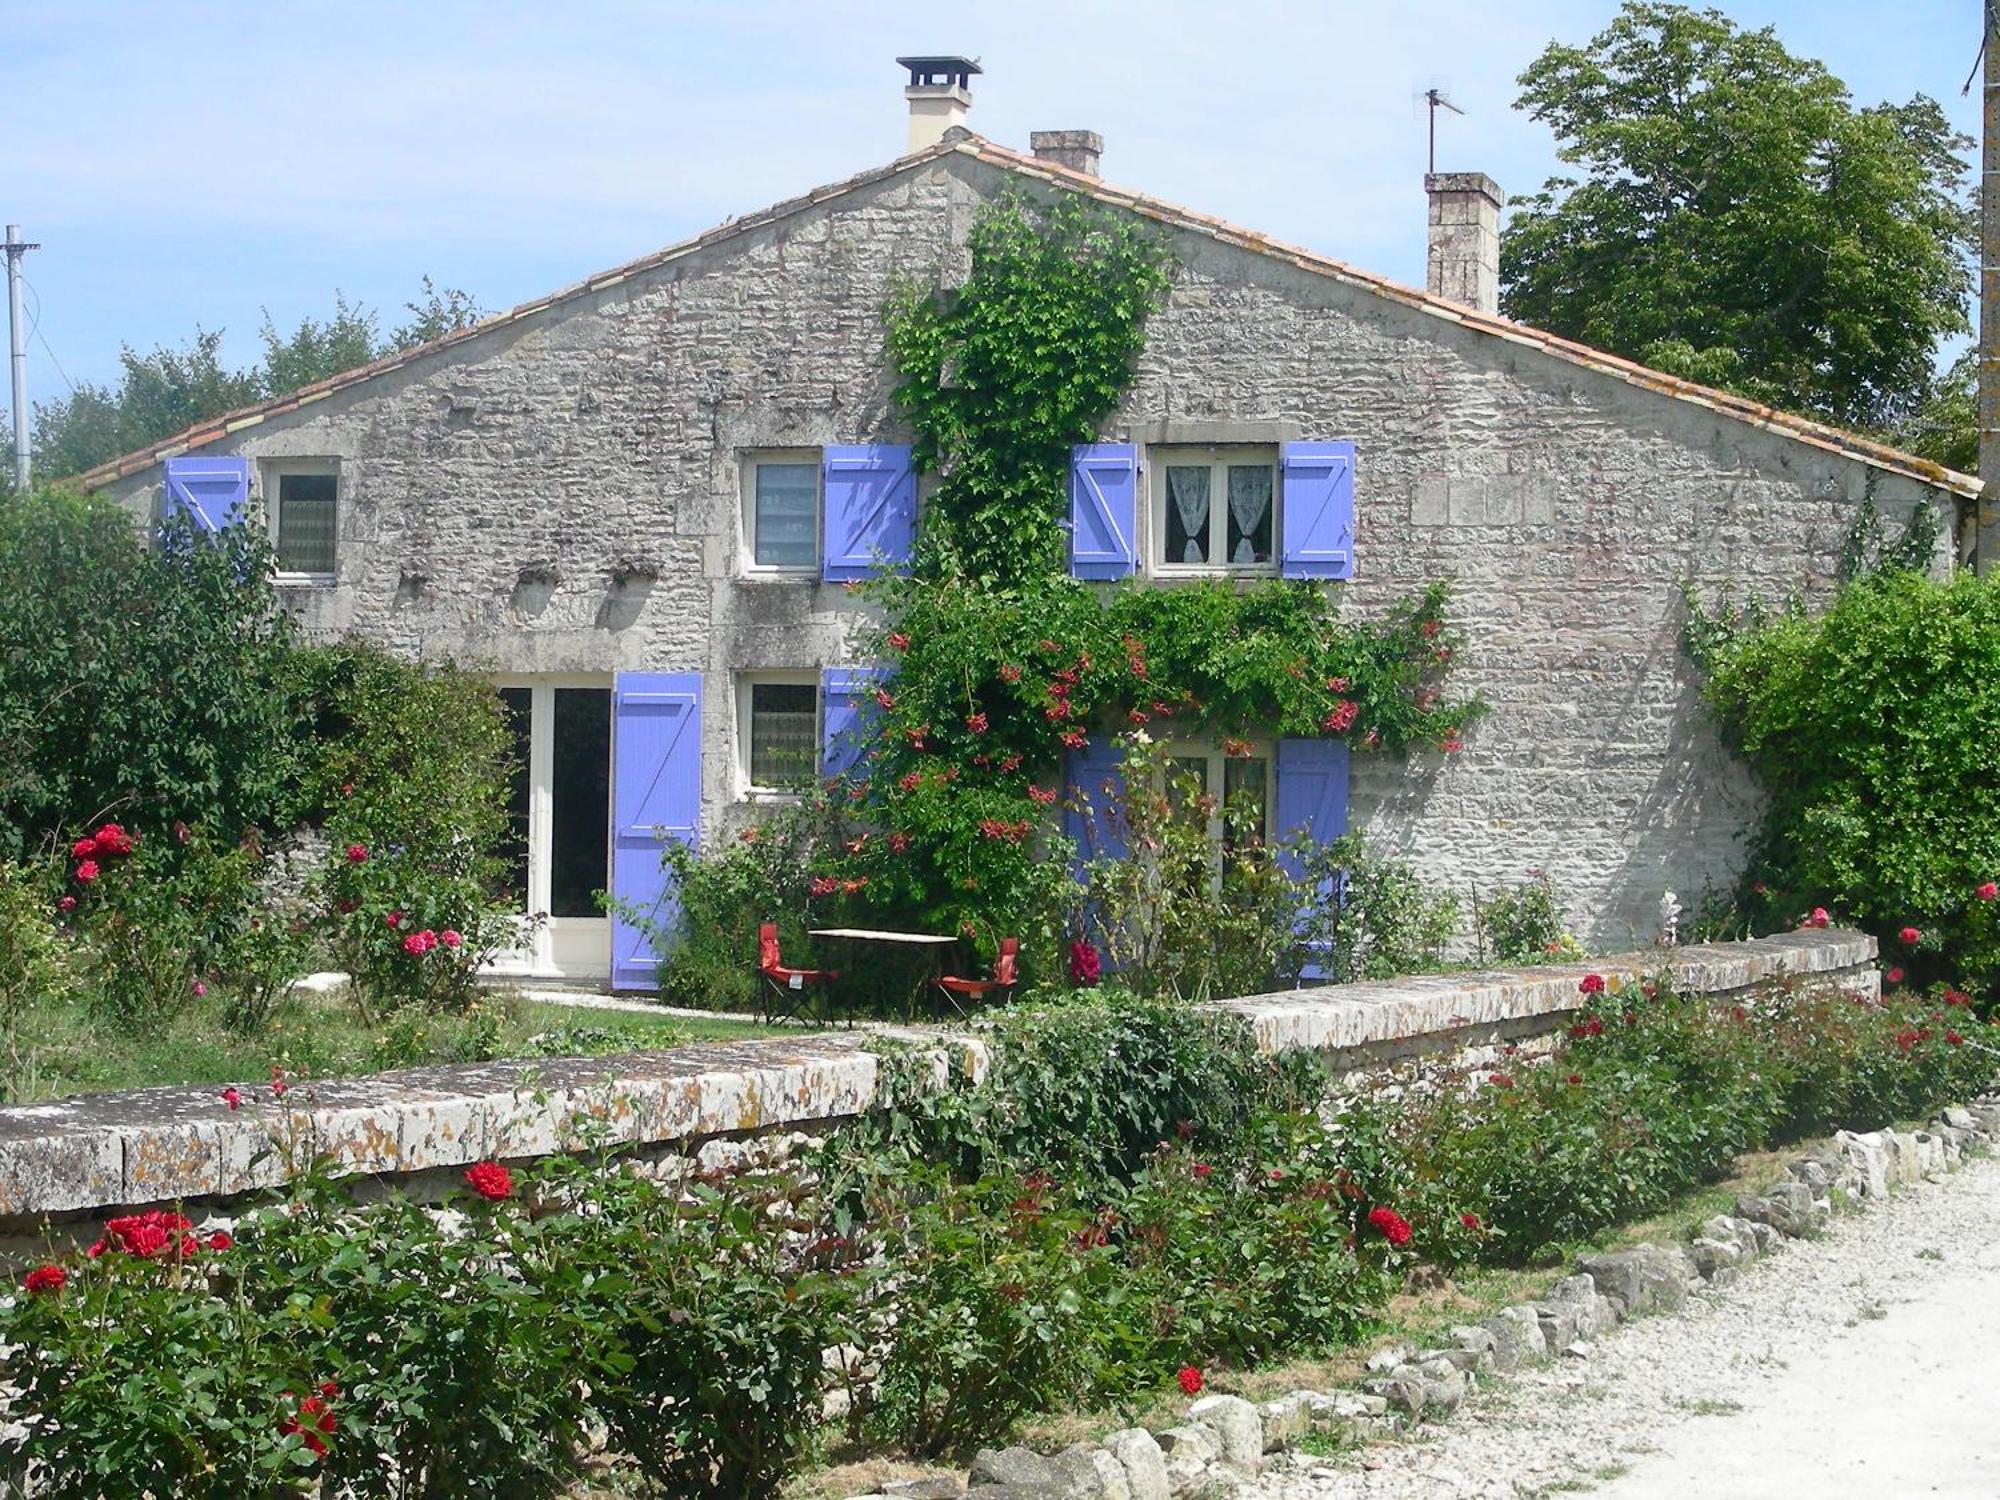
<point>1865,1364</point>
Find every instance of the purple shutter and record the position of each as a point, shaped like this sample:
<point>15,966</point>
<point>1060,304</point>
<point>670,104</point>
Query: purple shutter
<point>1093,786</point>
<point>1103,510</point>
<point>870,514</point>
<point>1311,800</point>
<point>655,796</point>
<point>212,491</point>
<point>847,715</point>
<point>1317,510</point>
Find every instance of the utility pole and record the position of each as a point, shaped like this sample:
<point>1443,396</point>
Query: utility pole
<point>1986,536</point>
<point>17,338</point>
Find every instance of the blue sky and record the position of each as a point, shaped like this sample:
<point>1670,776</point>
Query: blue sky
<point>186,163</point>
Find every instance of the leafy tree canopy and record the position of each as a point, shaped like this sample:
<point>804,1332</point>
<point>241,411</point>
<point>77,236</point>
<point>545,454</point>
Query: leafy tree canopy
<point>1739,222</point>
<point>160,393</point>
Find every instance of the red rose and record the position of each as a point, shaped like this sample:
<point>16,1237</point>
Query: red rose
<point>356,853</point>
<point>1818,917</point>
<point>87,871</point>
<point>1894,976</point>
<point>232,1097</point>
<point>112,839</point>
<point>220,1241</point>
<point>1393,1226</point>
<point>1591,984</point>
<point>45,1279</point>
<point>1501,1080</point>
<point>1470,1221</point>
<point>1085,967</point>
<point>68,903</point>
<point>313,1423</point>
<point>394,919</point>
<point>1910,937</point>
<point>490,1180</point>
<point>1202,1169</point>
<point>83,848</point>
<point>451,937</point>
<point>1190,1379</point>
<point>1954,1038</point>
<point>1990,891</point>
<point>415,946</point>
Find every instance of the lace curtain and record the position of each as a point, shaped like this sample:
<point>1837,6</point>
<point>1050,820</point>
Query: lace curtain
<point>1187,497</point>
<point>1249,513</point>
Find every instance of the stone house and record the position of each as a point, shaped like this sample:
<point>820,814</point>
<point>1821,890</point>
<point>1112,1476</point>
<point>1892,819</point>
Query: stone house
<point>636,503</point>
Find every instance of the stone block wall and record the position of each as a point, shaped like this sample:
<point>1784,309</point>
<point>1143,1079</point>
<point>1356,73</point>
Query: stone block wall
<point>83,1158</point>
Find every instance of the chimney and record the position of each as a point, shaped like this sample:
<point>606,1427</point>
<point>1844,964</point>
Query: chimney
<point>940,95</point>
<point>1079,150</point>
<point>1465,238</point>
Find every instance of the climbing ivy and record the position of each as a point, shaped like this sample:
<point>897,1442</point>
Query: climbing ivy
<point>1001,375</point>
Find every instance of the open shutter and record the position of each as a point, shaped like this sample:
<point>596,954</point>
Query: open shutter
<point>212,491</point>
<point>1311,800</point>
<point>871,510</point>
<point>1318,510</point>
<point>1103,510</point>
<point>655,796</point>
<point>847,715</point>
<point>1093,785</point>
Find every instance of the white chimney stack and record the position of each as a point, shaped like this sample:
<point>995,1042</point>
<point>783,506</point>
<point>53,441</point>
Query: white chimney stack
<point>940,95</point>
<point>1465,238</point>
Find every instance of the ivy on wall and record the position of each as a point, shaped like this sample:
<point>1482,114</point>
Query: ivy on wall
<point>1002,662</point>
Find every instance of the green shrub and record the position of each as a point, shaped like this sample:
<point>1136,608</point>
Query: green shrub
<point>33,958</point>
<point>1871,729</point>
<point>1372,918</point>
<point>412,773</point>
<point>1523,924</point>
<point>143,684</point>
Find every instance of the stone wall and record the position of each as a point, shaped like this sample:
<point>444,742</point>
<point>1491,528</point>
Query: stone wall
<point>83,1157</point>
<point>561,495</point>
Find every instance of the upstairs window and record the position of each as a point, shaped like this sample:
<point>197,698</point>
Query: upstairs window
<point>779,732</point>
<point>1214,509</point>
<point>305,509</point>
<point>781,511</point>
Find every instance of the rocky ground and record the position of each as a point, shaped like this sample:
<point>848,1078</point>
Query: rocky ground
<point>1864,1363</point>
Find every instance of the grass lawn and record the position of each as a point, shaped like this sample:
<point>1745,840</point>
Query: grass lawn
<point>64,1050</point>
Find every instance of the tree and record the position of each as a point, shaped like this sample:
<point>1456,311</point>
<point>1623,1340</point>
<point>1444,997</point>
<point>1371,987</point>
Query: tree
<point>1739,222</point>
<point>170,389</point>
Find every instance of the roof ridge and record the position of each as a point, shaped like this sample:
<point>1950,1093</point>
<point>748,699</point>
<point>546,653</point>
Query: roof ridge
<point>963,142</point>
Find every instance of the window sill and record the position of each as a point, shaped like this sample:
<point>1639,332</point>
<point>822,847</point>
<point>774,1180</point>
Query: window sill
<point>304,580</point>
<point>1183,570</point>
<point>765,796</point>
<point>779,575</point>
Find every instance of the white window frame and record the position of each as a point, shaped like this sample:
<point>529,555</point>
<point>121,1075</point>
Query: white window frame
<point>1211,751</point>
<point>1218,457</point>
<point>274,469</point>
<point>747,485</point>
<point>577,948</point>
<point>747,790</point>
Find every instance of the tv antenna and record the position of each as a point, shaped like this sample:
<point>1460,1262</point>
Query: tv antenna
<point>1435,99</point>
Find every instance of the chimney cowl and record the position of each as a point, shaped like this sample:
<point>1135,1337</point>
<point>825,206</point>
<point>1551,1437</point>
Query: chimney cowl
<point>940,95</point>
<point>1463,264</point>
<point>1079,150</point>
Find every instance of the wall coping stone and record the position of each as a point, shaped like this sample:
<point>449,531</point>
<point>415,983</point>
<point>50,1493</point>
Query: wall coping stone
<point>156,1145</point>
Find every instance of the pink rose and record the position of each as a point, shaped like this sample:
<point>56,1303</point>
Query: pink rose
<point>450,937</point>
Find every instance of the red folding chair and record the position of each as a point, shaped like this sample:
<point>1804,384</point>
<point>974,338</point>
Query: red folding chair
<point>785,990</point>
<point>1006,974</point>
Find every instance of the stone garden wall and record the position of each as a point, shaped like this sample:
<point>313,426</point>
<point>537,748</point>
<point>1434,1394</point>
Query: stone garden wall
<point>724,1103</point>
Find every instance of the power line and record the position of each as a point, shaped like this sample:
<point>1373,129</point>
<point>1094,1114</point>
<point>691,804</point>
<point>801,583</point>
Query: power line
<point>35,332</point>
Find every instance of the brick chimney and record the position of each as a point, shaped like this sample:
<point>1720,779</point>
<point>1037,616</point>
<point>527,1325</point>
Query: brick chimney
<point>1079,150</point>
<point>940,95</point>
<point>1465,238</point>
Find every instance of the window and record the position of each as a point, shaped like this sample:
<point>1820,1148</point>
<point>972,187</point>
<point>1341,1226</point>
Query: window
<point>1232,782</point>
<point>304,512</point>
<point>781,511</point>
<point>779,732</point>
<point>1214,508</point>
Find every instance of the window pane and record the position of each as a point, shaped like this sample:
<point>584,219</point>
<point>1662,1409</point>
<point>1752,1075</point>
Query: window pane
<point>517,704</point>
<point>785,528</point>
<point>1187,515</point>
<point>580,810</point>
<point>305,522</point>
<point>784,734</point>
<point>1249,514</point>
<point>1187,780</point>
<point>1244,785</point>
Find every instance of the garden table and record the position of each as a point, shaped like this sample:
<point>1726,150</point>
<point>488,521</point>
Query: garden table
<point>927,948</point>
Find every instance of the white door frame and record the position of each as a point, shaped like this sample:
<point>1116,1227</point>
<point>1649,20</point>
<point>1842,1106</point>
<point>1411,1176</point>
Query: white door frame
<point>568,948</point>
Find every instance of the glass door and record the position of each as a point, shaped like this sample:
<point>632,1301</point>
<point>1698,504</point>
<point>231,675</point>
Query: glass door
<point>560,836</point>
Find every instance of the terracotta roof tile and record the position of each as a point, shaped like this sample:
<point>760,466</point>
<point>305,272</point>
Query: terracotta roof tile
<point>1802,429</point>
